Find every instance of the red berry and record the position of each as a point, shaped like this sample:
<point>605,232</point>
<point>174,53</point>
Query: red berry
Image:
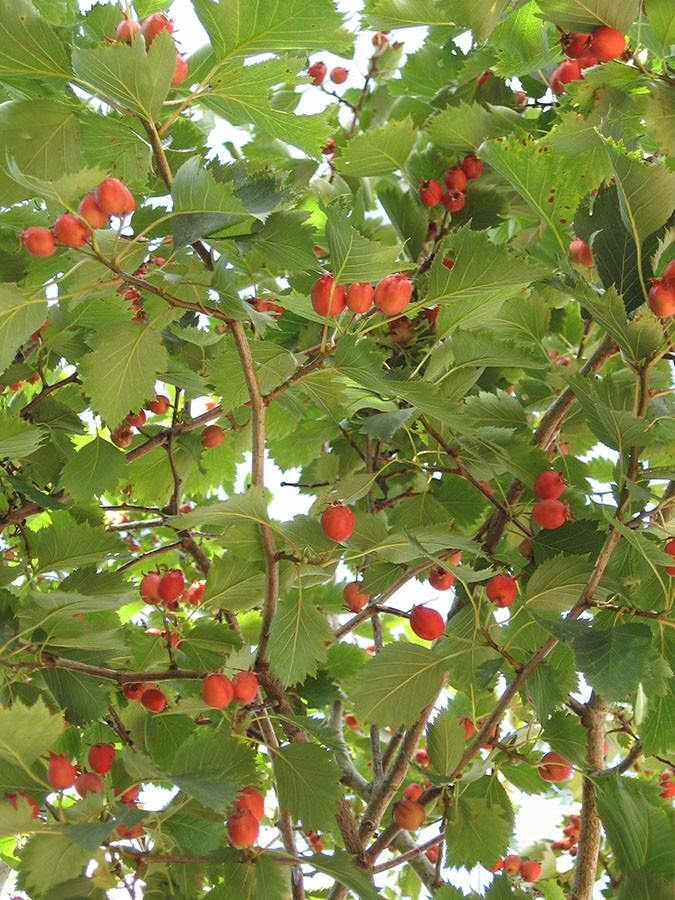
<point>501,590</point>
<point>153,699</point>
<point>392,294</point>
<point>114,198</point>
<point>129,833</point>
<point>430,192</point>
<point>242,828</point>
<point>88,783</point>
<point>248,798</point>
<point>606,43</point>
<point>354,599</point>
<point>69,230</point>
<point>580,253</point>
<point>379,39</point>
<point>453,201</point>
<point>498,866</point>
<point>38,241</point>
<point>212,436</point>
<point>422,758</point>
<point>350,722</point>
<point>548,485</point>
<point>670,547</point>
<point>159,405</point>
<point>317,72</point>
<point>413,792</point>
<point>245,687</point>
<point>554,767</point>
<point>137,420</point>
<point>512,864</point>
<point>133,690</point>
<point>338,75</point>
<point>337,522</point>
<point>551,514</point>
<point>154,25</point>
<point>471,166</point>
<point>180,70</point>
<point>455,178</point>
<point>100,758</point>
<point>122,437</point>
<point>469,727</point>
<point>217,690</point>
<point>432,854</point>
<point>426,623</point>
<point>322,302</point>
<point>127,29</point>
<point>195,593</point>
<point>530,870</point>
<point>569,70</point>
<point>440,580</point>
<point>575,44</point>
<point>669,271</point>
<point>661,297</point>
<point>667,793</point>
<point>408,814</point>
<point>60,773</point>
<point>149,587</point>
<point>359,297</point>
<point>171,585</point>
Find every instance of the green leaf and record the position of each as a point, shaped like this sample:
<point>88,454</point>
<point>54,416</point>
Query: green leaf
<point>615,661</point>
<point>580,15</point>
<point>19,820</point>
<point>200,203</point>
<point>480,16</point>
<point>646,194</point>
<point>210,787</point>
<point>67,544</point>
<point>476,833</point>
<point>298,638</point>
<point>445,743</point>
<point>637,339</point>
<point>662,23</point>
<point>658,727</point>
<point>48,860</point>
<point>462,128</point>
<point>212,767</point>
<point>95,468</point>
<point>234,583</point>
<point>520,41</point>
<point>263,877</point>
<point>354,257</point>
<point>396,685</point>
<point>19,317</point>
<point>285,242</point>
<point>242,508</point>
<point>556,585</point>
<point>27,733</point>
<point>165,735</point>
<point>81,697</point>
<point>307,784</point>
<point>18,438</point>
<point>341,867</point>
<point>29,47</point>
<point>615,427</point>
<point>136,79</point>
<point>566,738</point>
<point>119,375</point>
<point>387,14</point>
<point>248,27</point>
<point>378,151</point>
<point>408,218</point>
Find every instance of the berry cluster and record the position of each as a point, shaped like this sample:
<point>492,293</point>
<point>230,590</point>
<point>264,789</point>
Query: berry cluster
<point>128,29</point>
<point>218,691</point>
<point>571,830</point>
<point>110,198</point>
<point>667,784</point>
<point>661,297</point>
<point>168,589</point>
<point>530,870</point>
<point>455,180</point>
<point>391,295</point>
<point>550,512</point>
<point>243,823</point>
<point>439,579</point>
<point>584,50</point>
<point>122,436</point>
<point>318,70</point>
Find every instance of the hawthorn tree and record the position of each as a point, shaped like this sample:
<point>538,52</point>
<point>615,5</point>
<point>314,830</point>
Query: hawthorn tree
<point>498,424</point>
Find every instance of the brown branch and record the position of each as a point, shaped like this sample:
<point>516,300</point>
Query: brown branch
<point>46,391</point>
<point>300,373</point>
<point>46,660</point>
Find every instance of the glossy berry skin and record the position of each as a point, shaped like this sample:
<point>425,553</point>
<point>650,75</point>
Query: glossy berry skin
<point>242,828</point>
<point>453,201</point>
<point>661,297</point>
<point>426,623</point>
<point>38,241</point>
<point>212,436</point>
<point>413,792</point>
<point>100,758</point>
<point>408,814</point>
<point>569,70</point>
<point>530,870</point>
<point>551,514</point>
<point>245,687</point>
<point>180,70</point>
<point>471,166</point>
<point>432,855</point>
<point>217,690</point>
<point>440,580</point>
<point>606,43</point>
<point>133,690</point>
<point>317,72</point>
<point>171,585</point>
<point>359,297</point>
<point>548,485</point>
<point>88,783</point>
<point>354,599</point>
<point>195,593</point>
<point>430,192</point>
<point>392,294</point>
<point>154,25</point>
<point>248,798</point>
<point>114,198</point>
<point>512,864</point>
<point>455,179</point>
<point>91,212</point>
<point>554,768</point>
<point>128,797</point>
<point>159,405</point>
<point>322,302</point>
<point>575,44</point>
<point>580,254</point>
<point>149,587</point>
<point>60,773</point>
<point>126,30</point>
<point>501,590</point>
<point>338,75</point>
<point>70,231</point>
<point>337,522</point>
<point>154,700</point>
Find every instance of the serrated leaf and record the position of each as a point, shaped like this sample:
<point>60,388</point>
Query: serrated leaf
<point>18,438</point>
<point>658,727</point>
<point>234,583</point>
<point>579,15</point>
<point>461,128</point>
<point>19,317</point>
<point>242,508</point>
<point>646,194</point>
<point>48,860</point>
<point>556,585</point>
<point>307,784</point>
<point>95,468</point>
<point>298,638</point>
<point>354,257</point>
<point>476,832</point>
<point>67,544</point>
<point>406,14</point>
<point>81,697</point>
<point>445,743</point>
<point>200,203</point>
<point>407,217</point>
<point>17,821</point>
<point>29,47</point>
<point>27,733</point>
<point>378,151</point>
<point>164,736</point>
<point>341,867</point>
<point>285,242</point>
<point>615,661</point>
<point>393,687</point>
<point>119,375</point>
<point>480,16</point>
